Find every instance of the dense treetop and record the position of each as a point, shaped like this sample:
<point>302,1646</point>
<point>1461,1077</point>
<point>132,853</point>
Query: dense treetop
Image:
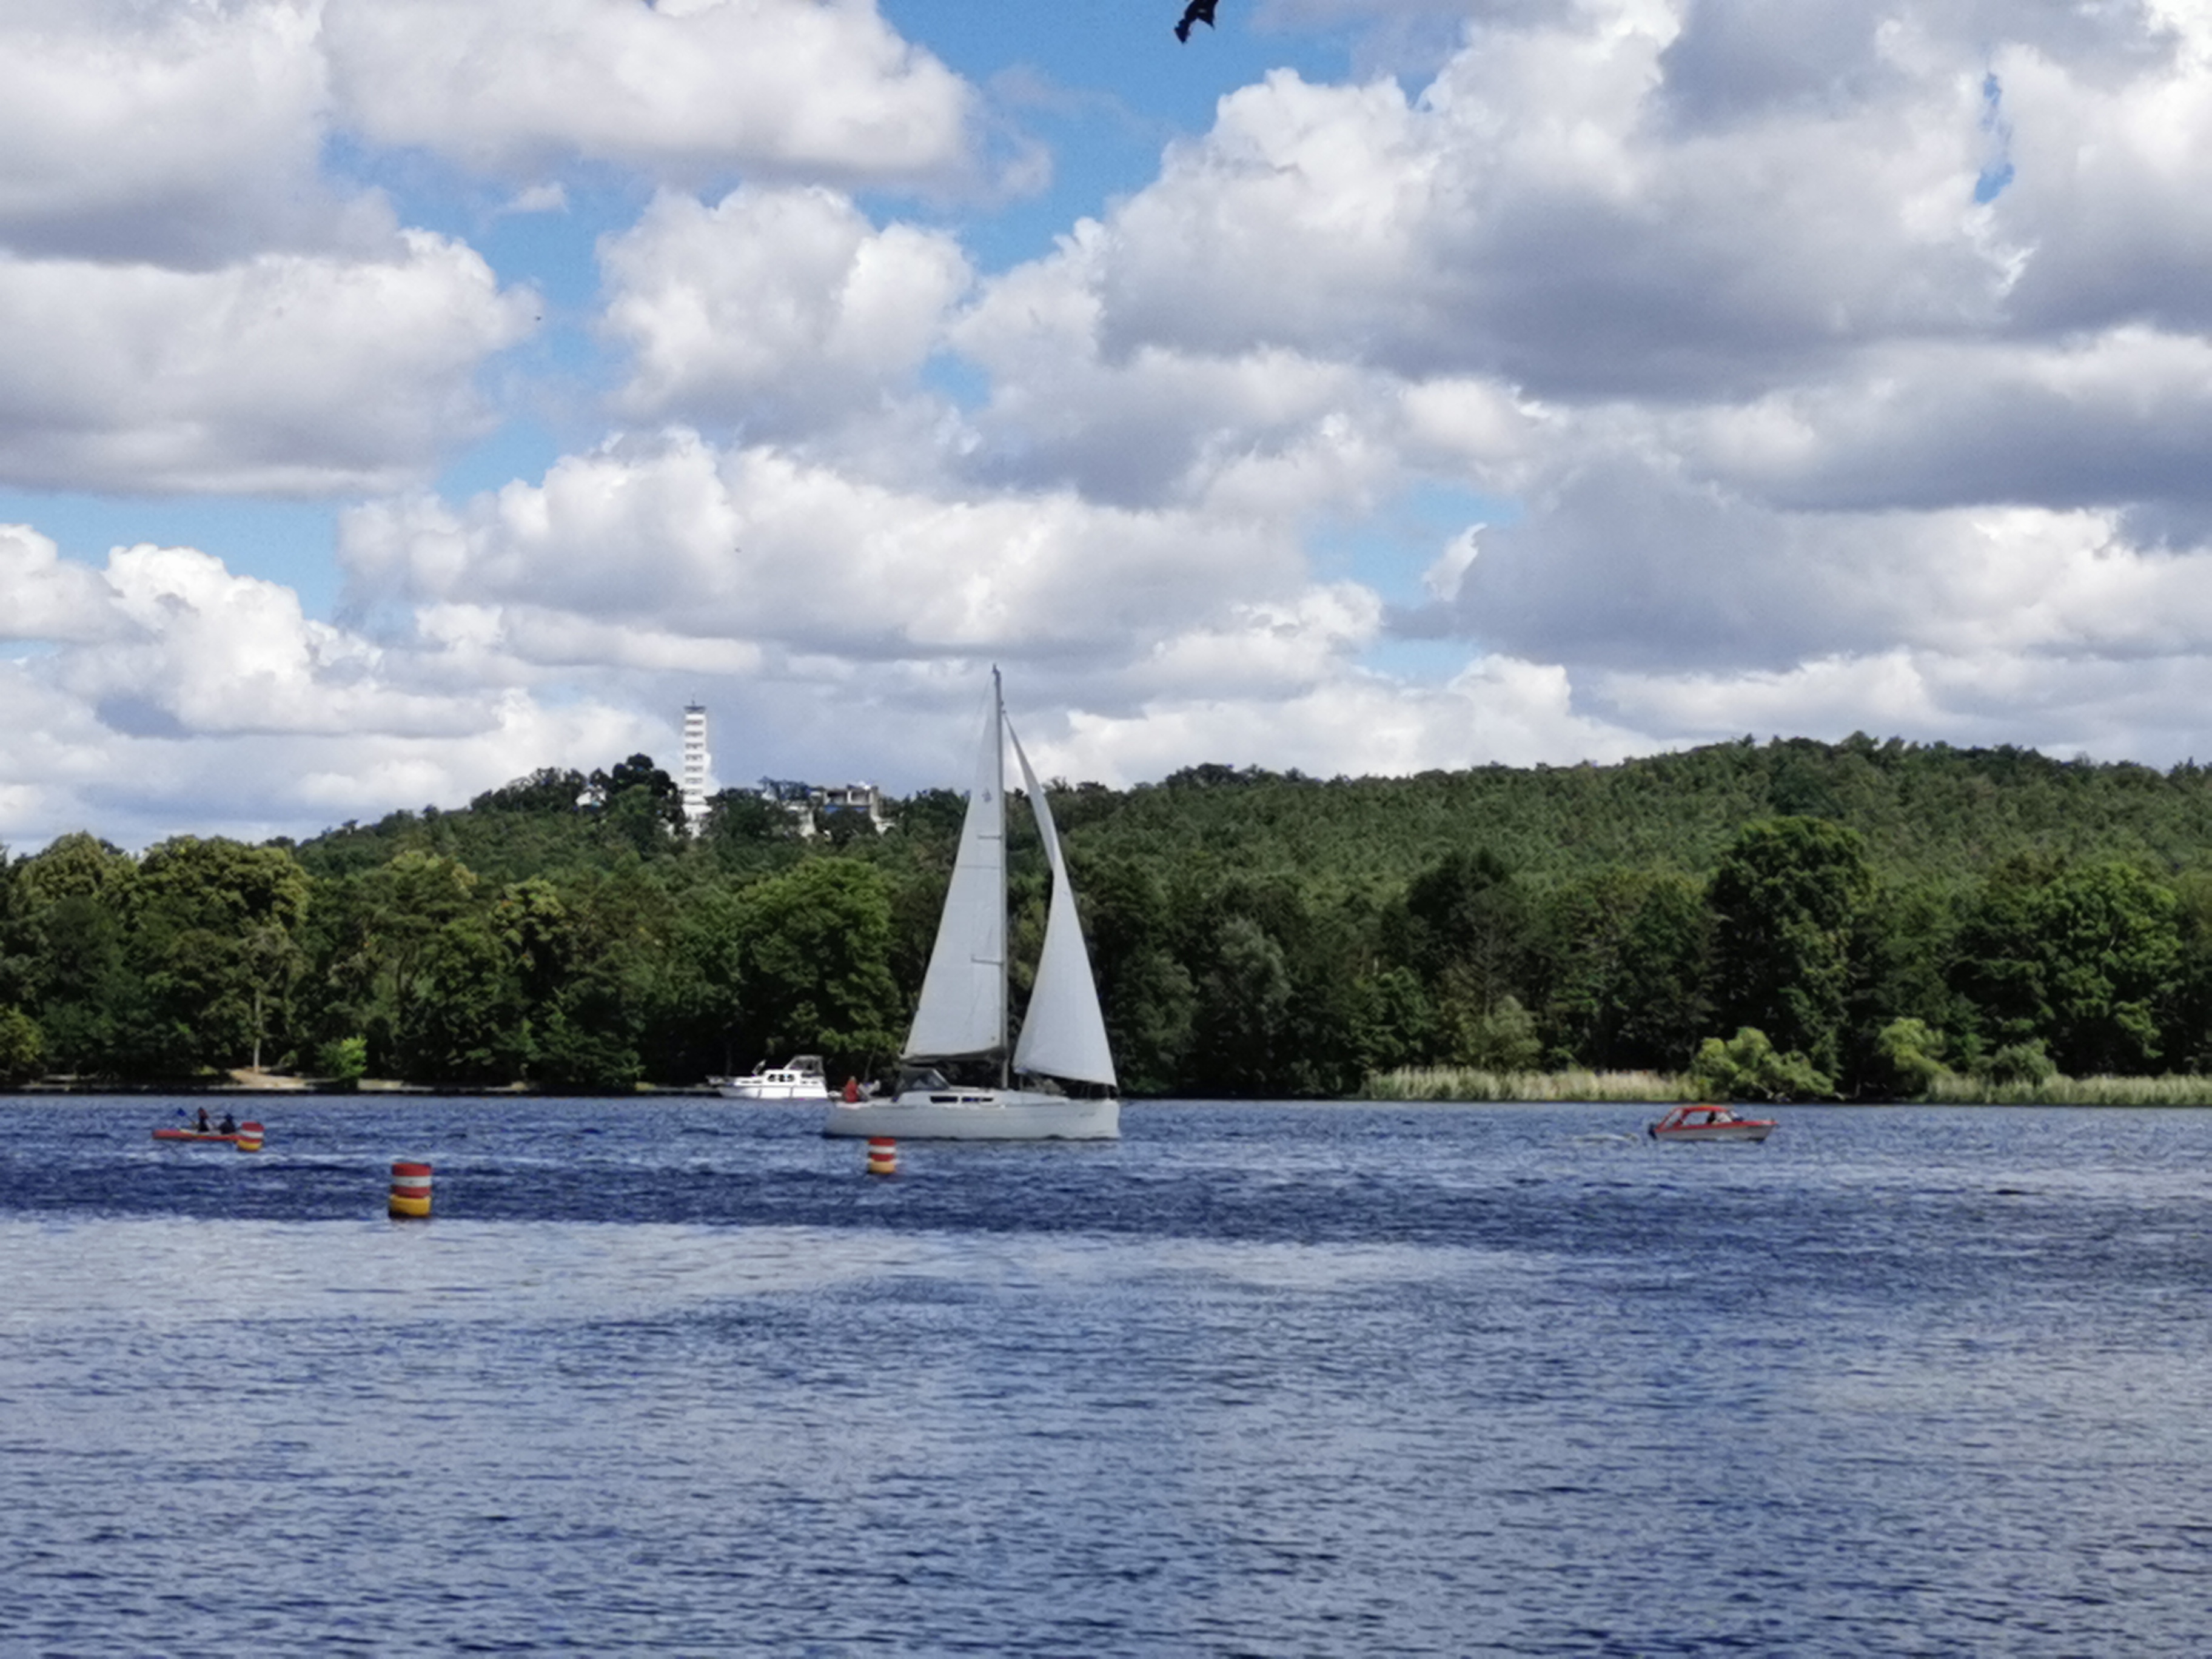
<point>1874,909</point>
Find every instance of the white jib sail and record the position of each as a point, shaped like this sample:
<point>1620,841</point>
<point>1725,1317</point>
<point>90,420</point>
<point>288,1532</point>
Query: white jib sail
<point>1064,1034</point>
<point>963,1009</point>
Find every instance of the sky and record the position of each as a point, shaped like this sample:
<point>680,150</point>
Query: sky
<point>400,396</point>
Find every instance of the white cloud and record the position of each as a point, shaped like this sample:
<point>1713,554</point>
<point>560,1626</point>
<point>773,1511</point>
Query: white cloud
<point>1625,198</point>
<point>287,374</point>
<point>686,92</point>
<point>2101,419</point>
<point>183,134</point>
<point>782,309</point>
<point>1844,368</point>
<point>1346,722</point>
<point>49,599</point>
<point>2110,196</point>
<point>67,770</point>
<point>755,544</point>
<point>544,196</point>
<point>1264,435</point>
<point>2114,708</point>
<point>212,652</point>
<point>178,693</point>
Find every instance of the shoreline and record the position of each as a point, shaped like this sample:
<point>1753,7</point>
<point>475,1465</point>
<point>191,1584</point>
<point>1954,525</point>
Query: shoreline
<point>2086,1093</point>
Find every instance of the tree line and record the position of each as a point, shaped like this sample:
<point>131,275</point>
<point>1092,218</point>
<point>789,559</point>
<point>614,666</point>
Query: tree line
<point>1790,917</point>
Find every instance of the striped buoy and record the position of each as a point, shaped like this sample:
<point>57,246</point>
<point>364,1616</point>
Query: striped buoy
<point>410,1191</point>
<point>249,1138</point>
<point>883,1155</point>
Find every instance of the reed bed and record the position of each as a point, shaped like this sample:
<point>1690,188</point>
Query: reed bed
<point>1960,1088</point>
<point>1462,1082</point>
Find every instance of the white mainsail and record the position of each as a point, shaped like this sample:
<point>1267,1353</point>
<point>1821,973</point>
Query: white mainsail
<point>963,1009</point>
<point>1063,1033</point>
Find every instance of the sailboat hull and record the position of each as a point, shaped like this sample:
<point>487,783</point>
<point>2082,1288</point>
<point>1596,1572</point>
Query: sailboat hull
<point>979,1114</point>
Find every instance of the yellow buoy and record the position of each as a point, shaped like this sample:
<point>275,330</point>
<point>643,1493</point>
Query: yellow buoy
<point>249,1138</point>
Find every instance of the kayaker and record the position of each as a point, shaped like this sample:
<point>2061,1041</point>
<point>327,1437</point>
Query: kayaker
<point>204,1122</point>
<point>228,1126</point>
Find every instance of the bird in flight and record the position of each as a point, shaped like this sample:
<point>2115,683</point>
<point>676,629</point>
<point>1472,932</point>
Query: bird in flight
<point>1198,11</point>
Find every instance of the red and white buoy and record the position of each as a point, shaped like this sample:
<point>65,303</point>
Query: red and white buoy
<point>410,1192</point>
<point>249,1138</point>
<point>883,1155</point>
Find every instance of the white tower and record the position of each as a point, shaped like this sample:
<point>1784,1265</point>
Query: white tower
<point>696,761</point>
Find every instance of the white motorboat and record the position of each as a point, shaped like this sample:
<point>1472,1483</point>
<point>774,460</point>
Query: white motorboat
<point>1057,1082</point>
<point>800,1079</point>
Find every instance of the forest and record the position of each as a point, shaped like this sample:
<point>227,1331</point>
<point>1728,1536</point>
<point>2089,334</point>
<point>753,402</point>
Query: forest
<point>1792,919</point>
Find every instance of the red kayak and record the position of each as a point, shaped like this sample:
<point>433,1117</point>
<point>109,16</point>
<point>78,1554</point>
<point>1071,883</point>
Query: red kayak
<point>247,1136</point>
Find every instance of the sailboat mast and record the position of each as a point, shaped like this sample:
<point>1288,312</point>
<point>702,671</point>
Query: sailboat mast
<point>1006,956</point>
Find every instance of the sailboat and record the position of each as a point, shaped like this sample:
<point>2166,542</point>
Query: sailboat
<point>1057,1082</point>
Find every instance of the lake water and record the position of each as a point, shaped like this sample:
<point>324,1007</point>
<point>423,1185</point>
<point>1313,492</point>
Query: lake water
<point>1258,1379</point>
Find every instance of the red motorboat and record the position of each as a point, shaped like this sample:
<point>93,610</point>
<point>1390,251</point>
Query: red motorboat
<point>1709,1123</point>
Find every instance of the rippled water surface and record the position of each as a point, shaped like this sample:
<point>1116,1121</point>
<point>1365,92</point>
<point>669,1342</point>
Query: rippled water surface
<point>1257,1379</point>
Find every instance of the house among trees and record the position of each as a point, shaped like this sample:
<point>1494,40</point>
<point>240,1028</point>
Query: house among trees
<point>815,809</point>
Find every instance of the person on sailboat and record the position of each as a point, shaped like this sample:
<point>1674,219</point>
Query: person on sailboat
<point>852,1091</point>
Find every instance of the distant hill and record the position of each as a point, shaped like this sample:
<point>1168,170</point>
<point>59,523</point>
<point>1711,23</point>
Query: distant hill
<point>1887,913</point>
<point>1929,811</point>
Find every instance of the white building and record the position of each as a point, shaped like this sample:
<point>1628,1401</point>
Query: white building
<point>697,764</point>
<point>812,805</point>
<point>862,798</point>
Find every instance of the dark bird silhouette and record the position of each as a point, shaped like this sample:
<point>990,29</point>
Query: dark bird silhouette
<point>1198,11</point>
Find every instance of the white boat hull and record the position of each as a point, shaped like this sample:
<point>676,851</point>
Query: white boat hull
<point>978,1115</point>
<point>1717,1132</point>
<point>746,1089</point>
<point>801,1080</point>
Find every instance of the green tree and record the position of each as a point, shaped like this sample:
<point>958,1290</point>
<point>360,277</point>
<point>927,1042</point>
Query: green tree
<point>639,805</point>
<point>1912,1058</point>
<point>343,1060</point>
<point>22,1045</point>
<point>739,823</point>
<point>2083,957</point>
<point>586,1039</point>
<point>1243,1013</point>
<point>813,964</point>
<point>1149,998</point>
<point>74,902</point>
<point>1466,927</point>
<point>1911,948</point>
<point>2189,1029</point>
<point>77,866</point>
<point>550,791</point>
<point>1626,956</point>
<point>1748,1066</point>
<point>1503,1040</point>
<point>1789,899</point>
<point>2020,1062</point>
<point>1394,1022</point>
<point>385,930</point>
<point>465,1020</point>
